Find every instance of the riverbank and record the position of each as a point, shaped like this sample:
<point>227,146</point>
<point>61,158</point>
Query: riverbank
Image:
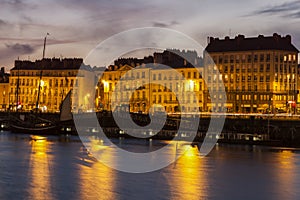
<point>238,129</point>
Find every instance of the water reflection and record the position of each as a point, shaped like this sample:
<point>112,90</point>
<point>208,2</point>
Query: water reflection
<point>286,174</point>
<point>188,179</point>
<point>97,181</point>
<point>39,169</point>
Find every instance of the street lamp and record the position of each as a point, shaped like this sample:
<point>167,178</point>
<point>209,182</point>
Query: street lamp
<point>106,91</point>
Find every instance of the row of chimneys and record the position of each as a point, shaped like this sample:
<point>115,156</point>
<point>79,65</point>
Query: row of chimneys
<point>241,37</point>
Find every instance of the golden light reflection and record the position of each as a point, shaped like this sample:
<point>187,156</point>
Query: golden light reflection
<point>39,169</point>
<point>285,173</point>
<point>285,158</point>
<point>96,180</point>
<point>189,180</point>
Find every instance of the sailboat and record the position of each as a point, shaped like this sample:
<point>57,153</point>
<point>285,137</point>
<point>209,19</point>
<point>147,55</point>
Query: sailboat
<point>66,123</point>
<point>34,124</point>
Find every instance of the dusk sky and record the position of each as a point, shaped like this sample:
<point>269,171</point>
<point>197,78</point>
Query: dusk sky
<point>76,26</point>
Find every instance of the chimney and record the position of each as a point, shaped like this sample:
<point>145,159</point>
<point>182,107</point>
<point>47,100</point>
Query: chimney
<point>211,39</point>
<point>241,37</point>
<point>261,36</point>
<point>288,38</point>
<point>227,38</point>
<point>2,70</point>
<point>276,36</point>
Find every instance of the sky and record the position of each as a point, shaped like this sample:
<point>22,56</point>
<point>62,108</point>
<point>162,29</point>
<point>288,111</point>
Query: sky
<point>76,26</point>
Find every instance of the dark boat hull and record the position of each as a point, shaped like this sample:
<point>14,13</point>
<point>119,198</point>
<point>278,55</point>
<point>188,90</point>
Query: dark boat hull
<point>47,130</point>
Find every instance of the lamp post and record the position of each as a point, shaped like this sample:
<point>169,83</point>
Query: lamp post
<point>106,91</point>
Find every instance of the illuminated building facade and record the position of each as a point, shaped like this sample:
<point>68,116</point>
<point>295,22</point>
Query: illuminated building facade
<point>175,84</point>
<point>59,76</point>
<point>259,74</point>
<point>170,89</point>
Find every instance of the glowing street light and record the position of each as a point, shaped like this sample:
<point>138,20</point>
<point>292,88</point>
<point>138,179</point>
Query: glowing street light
<point>106,90</point>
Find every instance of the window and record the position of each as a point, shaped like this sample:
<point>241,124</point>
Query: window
<point>195,74</point>
<point>276,58</point>
<point>226,59</point>
<point>281,58</point>
<point>226,69</point>
<point>237,59</point>
<point>249,58</point>
<point>220,59</point>
<point>261,79</point>
<point>231,58</point>
<point>249,69</point>
<point>261,68</point>
<point>268,68</point>
<point>189,74</point>
<point>262,58</point>
<point>268,57</point>
<point>237,78</point>
<point>255,68</point>
<point>255,58</point>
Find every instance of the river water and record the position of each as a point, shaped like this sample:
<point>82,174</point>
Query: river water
<point>59,168</point>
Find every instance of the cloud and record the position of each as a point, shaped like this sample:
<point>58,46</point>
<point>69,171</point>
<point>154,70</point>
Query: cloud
<point>164,25</point>
<point>285,9</point>
<point>293,15</point>
<point>2,23</point>
<point>160,24</point>
<point>14,2</point>
<point>20,48</point>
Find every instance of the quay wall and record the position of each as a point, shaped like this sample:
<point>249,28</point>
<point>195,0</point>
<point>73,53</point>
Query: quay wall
<point>273,128</point>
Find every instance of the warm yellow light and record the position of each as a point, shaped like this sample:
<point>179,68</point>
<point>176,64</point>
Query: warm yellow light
<point>191,85</point>
<point>190,151</point>
<point>42,83</point>
<point>106,86</point>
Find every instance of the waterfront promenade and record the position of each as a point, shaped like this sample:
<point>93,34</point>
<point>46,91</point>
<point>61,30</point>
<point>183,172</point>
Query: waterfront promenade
<point>265,129</point>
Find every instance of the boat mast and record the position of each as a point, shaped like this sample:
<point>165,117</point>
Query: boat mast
<point>41,74</point>
<point>17,91</point>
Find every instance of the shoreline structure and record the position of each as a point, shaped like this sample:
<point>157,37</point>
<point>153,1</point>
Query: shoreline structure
<point>238,129</point>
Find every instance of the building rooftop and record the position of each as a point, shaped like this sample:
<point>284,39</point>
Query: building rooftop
<point>49,64</point>
<point>240,43</point>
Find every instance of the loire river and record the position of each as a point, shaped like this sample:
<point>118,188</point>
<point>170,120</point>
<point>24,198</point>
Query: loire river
<point>59,168</point>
